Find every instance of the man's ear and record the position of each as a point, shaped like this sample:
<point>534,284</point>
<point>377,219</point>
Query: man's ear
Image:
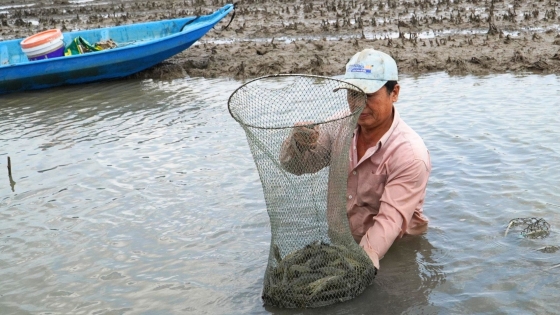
<point>395,93</point>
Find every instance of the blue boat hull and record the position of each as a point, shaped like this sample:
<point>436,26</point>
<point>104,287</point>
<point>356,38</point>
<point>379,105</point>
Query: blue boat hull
<point>143,45</point>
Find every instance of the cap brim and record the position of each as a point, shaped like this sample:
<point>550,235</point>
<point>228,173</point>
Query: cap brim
<point>347,86</point>
<point>368,86</point>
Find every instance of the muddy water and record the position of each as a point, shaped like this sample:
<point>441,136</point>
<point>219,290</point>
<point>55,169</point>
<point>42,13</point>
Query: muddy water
<point>141,197</point>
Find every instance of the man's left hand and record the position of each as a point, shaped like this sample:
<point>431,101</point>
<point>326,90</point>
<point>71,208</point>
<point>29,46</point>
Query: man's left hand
<point>372,255</point>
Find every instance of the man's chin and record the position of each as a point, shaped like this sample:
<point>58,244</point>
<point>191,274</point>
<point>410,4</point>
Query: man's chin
<point>363,118</point>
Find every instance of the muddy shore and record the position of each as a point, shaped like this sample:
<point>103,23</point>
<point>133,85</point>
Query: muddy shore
<point>318,37</point>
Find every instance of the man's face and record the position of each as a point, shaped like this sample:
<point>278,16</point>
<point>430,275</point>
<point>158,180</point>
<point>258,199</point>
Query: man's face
<point>378,109</point>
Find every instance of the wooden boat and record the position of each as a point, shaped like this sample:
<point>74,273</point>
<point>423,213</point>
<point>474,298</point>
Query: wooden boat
<point>139,46</point>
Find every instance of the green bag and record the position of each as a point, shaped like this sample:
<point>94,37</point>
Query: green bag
<point>80,46</point>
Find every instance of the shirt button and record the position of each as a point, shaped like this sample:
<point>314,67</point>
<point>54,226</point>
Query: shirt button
<point>354,172</point>
<point>349,196</point>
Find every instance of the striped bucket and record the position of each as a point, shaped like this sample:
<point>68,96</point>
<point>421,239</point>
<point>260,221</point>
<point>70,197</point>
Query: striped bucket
<point>44,45</point>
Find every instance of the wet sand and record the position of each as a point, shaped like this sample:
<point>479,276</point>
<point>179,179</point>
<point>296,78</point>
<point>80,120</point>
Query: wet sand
<point>318,37</point>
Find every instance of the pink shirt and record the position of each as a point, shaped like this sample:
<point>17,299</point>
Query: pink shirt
<point>385,189</point>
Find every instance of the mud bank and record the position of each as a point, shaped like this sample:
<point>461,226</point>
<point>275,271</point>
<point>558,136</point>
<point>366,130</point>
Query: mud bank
<point>455,54</point>
<point>319,37</point>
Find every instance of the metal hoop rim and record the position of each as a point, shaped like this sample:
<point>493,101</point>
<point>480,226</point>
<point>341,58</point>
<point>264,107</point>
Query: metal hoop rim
<point>278,75</point>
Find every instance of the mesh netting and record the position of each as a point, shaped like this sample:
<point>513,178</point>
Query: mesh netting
<point>532,227</point>
<point>299,129</point>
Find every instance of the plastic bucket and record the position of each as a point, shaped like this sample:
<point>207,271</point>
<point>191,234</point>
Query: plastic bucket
<point>44,45</point>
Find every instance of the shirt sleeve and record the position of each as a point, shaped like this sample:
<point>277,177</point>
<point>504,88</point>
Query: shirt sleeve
<point>403,193</point>
<point>300,162</point>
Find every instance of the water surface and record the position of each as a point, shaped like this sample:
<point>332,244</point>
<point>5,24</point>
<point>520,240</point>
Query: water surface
<point>141,197</point>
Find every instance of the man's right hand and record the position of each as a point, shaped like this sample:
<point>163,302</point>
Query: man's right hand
<point>305,136</point>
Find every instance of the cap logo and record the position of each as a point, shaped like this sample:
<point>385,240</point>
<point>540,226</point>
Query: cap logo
<point>360,68</point>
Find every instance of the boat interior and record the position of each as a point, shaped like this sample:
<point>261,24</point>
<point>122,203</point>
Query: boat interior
<point>125,35</point>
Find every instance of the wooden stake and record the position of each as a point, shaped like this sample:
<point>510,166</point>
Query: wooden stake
<point>12,183</point>
<point>9,167</point>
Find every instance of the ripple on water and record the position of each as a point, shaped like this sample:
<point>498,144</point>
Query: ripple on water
<point>142,196</point>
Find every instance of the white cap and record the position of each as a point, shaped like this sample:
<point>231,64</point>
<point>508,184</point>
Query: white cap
<point>370,69</point>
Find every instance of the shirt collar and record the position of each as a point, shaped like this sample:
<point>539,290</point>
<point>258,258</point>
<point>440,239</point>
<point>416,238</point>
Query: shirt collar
<point>394,124</point>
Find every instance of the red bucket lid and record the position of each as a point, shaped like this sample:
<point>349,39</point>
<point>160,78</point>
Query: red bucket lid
<point>41,38</point>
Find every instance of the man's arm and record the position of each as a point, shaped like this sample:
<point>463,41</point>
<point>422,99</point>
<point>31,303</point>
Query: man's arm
<point>402,195</point>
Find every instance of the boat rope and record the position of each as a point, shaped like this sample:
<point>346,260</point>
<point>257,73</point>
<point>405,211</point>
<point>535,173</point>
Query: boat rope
<point>223,29</point>
<point>233,15</point>
<point>189,22</point>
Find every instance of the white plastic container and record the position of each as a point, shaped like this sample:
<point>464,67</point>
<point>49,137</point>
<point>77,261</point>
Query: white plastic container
<point>44,45</point>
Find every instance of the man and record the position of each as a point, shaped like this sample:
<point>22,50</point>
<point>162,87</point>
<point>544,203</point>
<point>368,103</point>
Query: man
<point>389,163</point>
